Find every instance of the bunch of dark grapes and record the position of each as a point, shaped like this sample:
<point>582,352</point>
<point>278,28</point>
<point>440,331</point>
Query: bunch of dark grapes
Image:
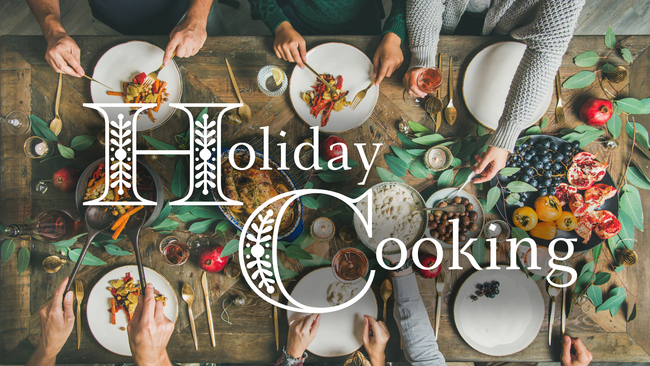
<point>542,164</point>
<point>487,289</point>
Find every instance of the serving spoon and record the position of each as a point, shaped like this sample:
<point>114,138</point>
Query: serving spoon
<point>244,111</point>
<point>132,230</point>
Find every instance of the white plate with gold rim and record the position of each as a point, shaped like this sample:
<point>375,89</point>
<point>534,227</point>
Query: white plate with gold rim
<point>111,336</point>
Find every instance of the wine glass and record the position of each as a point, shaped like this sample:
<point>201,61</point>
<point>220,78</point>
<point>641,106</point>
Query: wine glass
<point>429,81</point>
<point>16,122</point>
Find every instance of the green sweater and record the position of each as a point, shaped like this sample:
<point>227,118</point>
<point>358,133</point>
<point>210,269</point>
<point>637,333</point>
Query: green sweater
<point>324,14</point>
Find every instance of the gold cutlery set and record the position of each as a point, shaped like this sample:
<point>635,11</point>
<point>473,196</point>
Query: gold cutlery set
<point>188,295</point>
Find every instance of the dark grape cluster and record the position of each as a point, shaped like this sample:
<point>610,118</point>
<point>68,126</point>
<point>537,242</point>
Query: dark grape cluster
<point>542,164</point>
<point>487,289</point>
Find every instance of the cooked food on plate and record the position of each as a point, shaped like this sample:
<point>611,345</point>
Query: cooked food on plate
<point>133,92</point>
<point>125,296</point>
<point>321,100</point>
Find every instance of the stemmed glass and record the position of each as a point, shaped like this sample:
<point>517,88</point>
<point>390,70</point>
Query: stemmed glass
<point>429,81</point>
<point>16,122</point>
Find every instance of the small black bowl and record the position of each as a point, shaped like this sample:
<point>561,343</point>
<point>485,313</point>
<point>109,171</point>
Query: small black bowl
<point>159,192</point>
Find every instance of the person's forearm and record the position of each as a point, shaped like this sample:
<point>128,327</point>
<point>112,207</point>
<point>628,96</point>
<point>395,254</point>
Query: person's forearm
<point>48,16</point>
<point>198,11</point>
<point>269,12</point>
<point>396,20</point>
<point>547,39</point>
<point>163,360</point>
<point>42,357</point>
<point>423,24</point>
<point>420,346</point>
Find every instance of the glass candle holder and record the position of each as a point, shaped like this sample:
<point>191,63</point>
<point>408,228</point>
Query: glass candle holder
<point>322,229</point>
<point>267,84</point>
<point>174,251</point>
<point>438,158</point>
<point>38,148</point>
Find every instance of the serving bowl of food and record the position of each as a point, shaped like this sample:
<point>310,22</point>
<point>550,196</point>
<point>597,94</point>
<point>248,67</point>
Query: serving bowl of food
<point>91,186</point>
<point>254,187</point>
<point>396,213</point>
<point>470,224</point>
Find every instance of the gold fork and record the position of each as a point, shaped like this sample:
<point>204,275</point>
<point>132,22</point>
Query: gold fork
<point>362,94</point>
<point>559,110</point>
<point>440,286</point>
<point>79,293</point>
<point>153,76</point>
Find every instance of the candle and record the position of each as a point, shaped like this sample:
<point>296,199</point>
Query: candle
<point>40,148</point>
<point>438,158</point>
<point>494,230</point>
<point>322,229</point>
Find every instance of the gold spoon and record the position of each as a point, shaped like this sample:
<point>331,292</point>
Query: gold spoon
<point>385,291</point>
<point>57,124</point>
<point>450,111</point>
<point>188,296</point>
<point>244,110</point>
<point>53,264</point>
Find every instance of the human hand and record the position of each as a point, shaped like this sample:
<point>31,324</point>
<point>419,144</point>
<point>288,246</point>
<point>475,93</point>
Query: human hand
<point>581,355</point>
<point>149,331</point>
<point>489,163</point>
<point>375,336</point>
<point>411,82</point>
<point>63,54</point>
<point>289,45</point>
<point>186,39</point>
<point>388,57</point>
<point>56,321</point>
<point>301,333</point>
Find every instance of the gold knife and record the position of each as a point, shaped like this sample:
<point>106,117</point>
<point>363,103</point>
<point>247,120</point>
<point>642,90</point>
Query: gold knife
<point>439,114</point>
<point>104,85</point>
<point>276,296</point>
<point>331,87</point>
<point>206,295</point>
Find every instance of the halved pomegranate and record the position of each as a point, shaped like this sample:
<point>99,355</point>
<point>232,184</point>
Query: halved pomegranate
<point>585,170</point>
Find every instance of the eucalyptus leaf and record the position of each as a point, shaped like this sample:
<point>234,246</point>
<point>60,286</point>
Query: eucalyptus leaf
<point>585,138</point>
<point>231,247</point>
<point>462,176</point>
<point>82,142</point>
<point>478,251</point>
<point>534,130</point>
<point>619,269</point>
<point>167,224</point>
<point>580,80</point>
<point>222,226</point>
<point>186,217</point>
<point>304,240</point>
<point>113,249</point>
<point>608,68</point>
<point>641,133</point>
<point>508,171</point>
<point>627,229</point>
<point>296,252</point>
<point>7,250</point>
<point>356,192</point>
<point>387,176</point>
<point>23,260</point>
<point>179,210</point>
<point>446,178</point>
<point>429,140</point>
<point>207,212</point>
<point>614,125</point>
<point>632,314</point>
<point>637,178</point>
<point>42,129</point>
<point>492,197</point>
<point>416,152</point>
<point>396,165</point>
<point>586,59</point>
<point>601,278</point>
<point>519,187</point>
<point>612,243</point>
<point>513,198</point>
<point>179,181</point>
<point>406,142</point>
<point>582,282</point>
<point>595,252</point>
<point>332,213</point>
<point>65,151</point>
<point>202,113</point>
<point>630,203</point>
<point>610,38</point>
<point>309,185</point>
<point>481,130</point>
<point>595,295</point>
<point>67,243</point>
<point>402,154</point>
<point>89,258</point>
<point>631,106</point>
<point>309,202</point>
<point>164,213</point>
<point>419,170</point>
<point>416,127</point>
<point>544,123</point>
<point>614,301</point>
<point>158,145</point>
<point>285,274</point>
<point>517,233</point>
<point>332,176</point>
<point>627,55</point>
<point>456,162</point>
<point>315,261</point>
<point>587,267</point>
<point>323,200</point>
<point>201,226</point>
<point>484,204</point>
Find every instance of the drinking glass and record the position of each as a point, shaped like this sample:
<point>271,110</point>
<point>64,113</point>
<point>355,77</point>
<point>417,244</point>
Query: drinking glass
<point>429,81</point>
<point>350,265</point>
<point>16,122</point>
<point>174,251</point>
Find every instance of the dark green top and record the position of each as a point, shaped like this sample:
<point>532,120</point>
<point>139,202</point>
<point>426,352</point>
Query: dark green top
<point>324,14</point>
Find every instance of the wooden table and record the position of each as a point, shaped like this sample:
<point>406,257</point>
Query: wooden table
<point>28,83</point>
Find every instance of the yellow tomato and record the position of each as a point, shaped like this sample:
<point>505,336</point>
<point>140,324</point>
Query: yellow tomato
<point>566,222</point>
<point>525,218</point>
<point>548,208</point>
<point>544,230</point>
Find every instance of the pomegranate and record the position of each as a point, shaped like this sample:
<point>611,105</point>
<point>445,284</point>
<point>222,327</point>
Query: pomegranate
<point>598,194</point>
<point>564,192</point>
<point>607,226</point>
<point>427,260</point>
<point>210,259</point>
<point>330,150</point>
<point>585,170</point>
<point>596,112</point>
<point>65,179</point>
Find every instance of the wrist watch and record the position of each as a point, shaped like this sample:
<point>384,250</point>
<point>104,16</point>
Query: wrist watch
<point>407,265</point>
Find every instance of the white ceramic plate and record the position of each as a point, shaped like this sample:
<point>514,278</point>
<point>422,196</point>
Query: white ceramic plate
<point>506,324</point>
<point>340,332</point>
<point>487,83</point>
<point>543,257</point>
<point>480,221</point>
<point>123,62</point>
<point>99,302</point>
<point>336,59</point>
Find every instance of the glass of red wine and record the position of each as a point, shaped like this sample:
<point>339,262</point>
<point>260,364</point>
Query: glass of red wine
<point>428,81</point>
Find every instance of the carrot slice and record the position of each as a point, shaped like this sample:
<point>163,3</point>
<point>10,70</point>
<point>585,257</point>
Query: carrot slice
<point>125,217</point>
<point>117,94</point>
<point>113,310</point>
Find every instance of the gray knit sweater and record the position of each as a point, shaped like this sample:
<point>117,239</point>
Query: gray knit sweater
<point>545,26</point>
